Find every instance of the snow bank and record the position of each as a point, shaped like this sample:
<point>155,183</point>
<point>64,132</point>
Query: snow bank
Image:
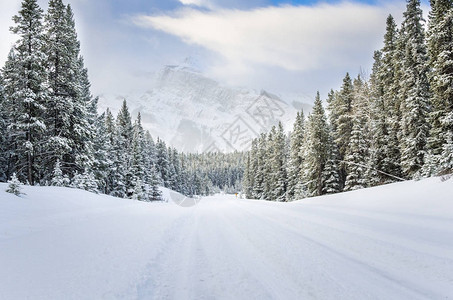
<point>389,242</point>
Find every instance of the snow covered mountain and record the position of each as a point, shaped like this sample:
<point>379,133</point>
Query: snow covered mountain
<point>195,113</point>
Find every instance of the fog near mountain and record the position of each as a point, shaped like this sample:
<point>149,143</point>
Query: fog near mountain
<point>196,114</point>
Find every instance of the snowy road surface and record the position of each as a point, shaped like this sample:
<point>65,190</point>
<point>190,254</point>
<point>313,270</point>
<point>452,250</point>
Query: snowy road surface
<point>392,242</point>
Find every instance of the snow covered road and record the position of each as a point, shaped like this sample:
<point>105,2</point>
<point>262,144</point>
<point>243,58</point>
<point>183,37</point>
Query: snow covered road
<point>391,242</point>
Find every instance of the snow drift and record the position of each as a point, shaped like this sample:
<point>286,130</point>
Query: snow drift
<point>388,242</point>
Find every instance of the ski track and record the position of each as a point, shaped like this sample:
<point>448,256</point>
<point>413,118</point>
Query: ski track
<point>222,248</point>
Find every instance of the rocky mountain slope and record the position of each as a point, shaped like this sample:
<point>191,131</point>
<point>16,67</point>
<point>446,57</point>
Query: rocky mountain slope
<point>195,113</point>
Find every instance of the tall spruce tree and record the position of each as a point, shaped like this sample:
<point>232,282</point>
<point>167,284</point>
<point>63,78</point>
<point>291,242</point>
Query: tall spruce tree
<point>114,180</point>
<point>343,110</point>
<point>137,163</point>
<point>279,177</point>
<point>440,50</point>
<point>162,162</point>
<point>330,174</point>
<point>356,157</point>
<point>25,86</point>
<point>3,135</point>
<point>62,89</point>
<point>247,183</point>
<point>123,149</point>
<point>259,176</point>
<point>414,91</point>
<point>315,149</point>
<point>295,158</point>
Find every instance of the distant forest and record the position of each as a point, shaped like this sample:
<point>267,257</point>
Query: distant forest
<point>51,132</point>
<point>396,125</point>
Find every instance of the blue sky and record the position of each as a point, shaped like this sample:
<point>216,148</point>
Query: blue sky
<point>297,46</point>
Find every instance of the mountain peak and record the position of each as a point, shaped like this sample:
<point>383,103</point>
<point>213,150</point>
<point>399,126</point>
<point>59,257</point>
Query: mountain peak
<point>190,63</point>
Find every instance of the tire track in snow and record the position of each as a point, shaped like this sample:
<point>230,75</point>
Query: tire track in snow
<point>336,252</point>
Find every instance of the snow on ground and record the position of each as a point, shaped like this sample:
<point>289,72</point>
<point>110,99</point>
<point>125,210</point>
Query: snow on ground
<point>390,242</point>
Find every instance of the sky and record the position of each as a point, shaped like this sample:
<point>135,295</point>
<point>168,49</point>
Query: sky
<point>298,46</point>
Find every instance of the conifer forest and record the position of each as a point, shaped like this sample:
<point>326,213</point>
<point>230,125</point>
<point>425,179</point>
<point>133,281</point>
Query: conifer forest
<point>395,124</point>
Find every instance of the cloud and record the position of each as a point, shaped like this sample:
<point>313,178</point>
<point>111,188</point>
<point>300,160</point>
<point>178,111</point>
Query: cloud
<point>7,11</point>
<point>292,38</point>
<point>196,2</point>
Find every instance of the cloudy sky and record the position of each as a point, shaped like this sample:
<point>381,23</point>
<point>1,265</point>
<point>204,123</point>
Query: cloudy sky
<point>282,46</point>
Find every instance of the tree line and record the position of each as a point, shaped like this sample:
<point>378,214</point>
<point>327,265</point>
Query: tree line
<point>51,132</point>
<point>396,125</point>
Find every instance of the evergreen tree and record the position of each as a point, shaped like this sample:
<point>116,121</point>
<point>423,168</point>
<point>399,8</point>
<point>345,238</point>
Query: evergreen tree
<point>162,162</point>
<point>279,178</point>
<point>356,157</point>
<point>3,135</point>
<point>330,174</point>
<point>85,181</point>
<point>62,50</point>
<point>269,176</point>
<point>315,149</point>
<point>343,109</point>
<point>58,179</point>
<point>101,148</point>
<point>154,192</point>
<point>124,134</point>
<point>113,175</point>
<point>25,84</point>
<point>414,92</point>
<point>383,147</point>
<point>138,160</point>
<point>14,186</point>
<point>247,183</point>
<point>390,105</point>
<point>295,159</point>
<point>259,176</point>
<point>440,50</point>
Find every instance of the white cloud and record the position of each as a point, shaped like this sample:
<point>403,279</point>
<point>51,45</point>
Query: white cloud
<point>7,10</point>
<point>201,3</point>
<point>293,38</point>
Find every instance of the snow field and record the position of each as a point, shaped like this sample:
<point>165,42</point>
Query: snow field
<point>389,242</point>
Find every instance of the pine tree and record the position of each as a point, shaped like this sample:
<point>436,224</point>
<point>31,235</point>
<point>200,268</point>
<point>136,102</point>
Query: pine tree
<point>279,178</point>
<point>295,159</point>
<point>140,192</point>
<point>247,183</point>
<point>390,105</point>
<point>415,91</point>
<point>269,176</point>
<point>62,89</point>
<point>101,147</point>
<point>315,149</point>
<point>85,181</point>
<point>124,134</point>
<point>330,174</point>
<point>343,109</point>
<point>138,160</point>
<point>154,192</point>
<point>25,84</point>
<point>10,113</point>
<point>259,175</point>
<point>4,156</point>
<point>14,186</point>
<point>356,157</point>
<point>58,179</point>
<point>162,163</point>
<point>113,175</point>
<point>149,155</point>
<point>440,50</point>
<point>84,121</point>
<point>384,154</point>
